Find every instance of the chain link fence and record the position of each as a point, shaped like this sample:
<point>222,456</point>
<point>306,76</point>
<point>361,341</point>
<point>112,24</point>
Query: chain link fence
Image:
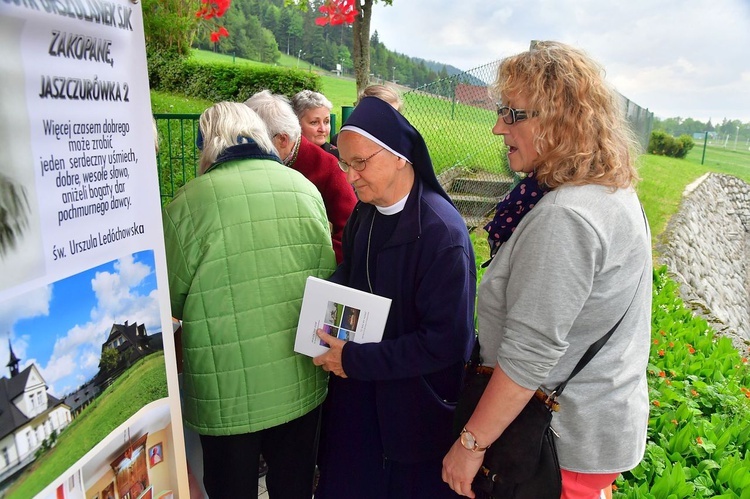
<point>455,116</point>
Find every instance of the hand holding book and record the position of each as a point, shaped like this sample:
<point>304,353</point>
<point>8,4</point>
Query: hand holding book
<point>331,361</point>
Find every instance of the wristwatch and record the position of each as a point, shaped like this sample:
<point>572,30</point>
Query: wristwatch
<point>469,441</point>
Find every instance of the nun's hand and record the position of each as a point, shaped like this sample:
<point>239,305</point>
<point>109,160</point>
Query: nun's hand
<point>331,360</point>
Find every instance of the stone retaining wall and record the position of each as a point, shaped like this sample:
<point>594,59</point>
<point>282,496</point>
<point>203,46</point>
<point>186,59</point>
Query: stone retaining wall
<point>708,251</point>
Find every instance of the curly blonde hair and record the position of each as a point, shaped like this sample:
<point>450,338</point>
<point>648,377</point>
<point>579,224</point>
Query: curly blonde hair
<point>582,136</point>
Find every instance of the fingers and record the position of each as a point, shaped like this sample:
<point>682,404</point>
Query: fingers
<point>329,340</point>
<point>459,470</point>
<point>325,337</point>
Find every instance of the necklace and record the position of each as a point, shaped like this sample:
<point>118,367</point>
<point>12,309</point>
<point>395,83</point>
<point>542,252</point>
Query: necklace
<point>367,263</point>
<point>293,155</point>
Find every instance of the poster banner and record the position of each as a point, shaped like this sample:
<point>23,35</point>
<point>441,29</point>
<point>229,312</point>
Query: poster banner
<point>89,402</point>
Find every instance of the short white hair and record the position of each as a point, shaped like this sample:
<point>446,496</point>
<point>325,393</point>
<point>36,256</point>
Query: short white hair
<point>277,113</point>
<point>224,124</point>
<point>307,99</point>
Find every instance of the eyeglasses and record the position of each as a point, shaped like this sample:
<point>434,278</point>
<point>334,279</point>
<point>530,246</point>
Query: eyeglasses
<point>510,115</point>
<point>358,164</point>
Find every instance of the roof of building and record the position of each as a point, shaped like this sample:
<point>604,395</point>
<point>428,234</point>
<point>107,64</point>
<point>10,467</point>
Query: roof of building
<point>11,417</point>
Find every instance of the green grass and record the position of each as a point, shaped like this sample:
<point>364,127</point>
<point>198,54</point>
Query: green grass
<point>664,180</point>
<point>341,91</point>
<point>143,383</point>
<point>456,134</point>
<point>723,160</point>
<point>164,102</point>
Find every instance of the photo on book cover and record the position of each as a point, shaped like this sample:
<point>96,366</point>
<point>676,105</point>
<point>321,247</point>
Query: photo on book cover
<point>341,322</point>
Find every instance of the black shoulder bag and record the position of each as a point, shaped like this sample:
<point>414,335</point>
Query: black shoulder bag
<point>522,463</point>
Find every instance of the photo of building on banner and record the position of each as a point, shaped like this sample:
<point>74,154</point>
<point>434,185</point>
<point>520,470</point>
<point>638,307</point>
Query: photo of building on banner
<point>86,409</point>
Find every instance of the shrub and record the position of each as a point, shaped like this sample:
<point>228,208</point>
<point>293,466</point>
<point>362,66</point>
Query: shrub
<point>664,144</point>
<point>224,82</point>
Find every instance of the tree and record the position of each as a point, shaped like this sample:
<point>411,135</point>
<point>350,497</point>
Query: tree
<point>336,11</point>
<point>169,25</point>
<point>109,359</point>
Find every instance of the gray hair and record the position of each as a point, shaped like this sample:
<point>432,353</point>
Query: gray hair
<point>224,124</point>
<point>277,113</point>
<point>307,99</point>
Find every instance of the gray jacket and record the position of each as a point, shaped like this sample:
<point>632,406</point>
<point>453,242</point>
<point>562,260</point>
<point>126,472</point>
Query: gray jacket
<point>563,279</point>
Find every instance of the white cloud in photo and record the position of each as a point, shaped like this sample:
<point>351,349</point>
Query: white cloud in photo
<point>75,355</point>
<point>28,305</point>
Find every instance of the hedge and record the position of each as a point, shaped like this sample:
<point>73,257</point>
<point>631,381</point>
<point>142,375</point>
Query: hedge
<point>224,82</point>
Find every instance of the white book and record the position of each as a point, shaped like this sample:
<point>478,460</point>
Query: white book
<point>346,313</point>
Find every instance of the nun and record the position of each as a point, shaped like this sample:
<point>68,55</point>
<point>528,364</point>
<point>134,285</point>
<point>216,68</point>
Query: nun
<point>387,420</point>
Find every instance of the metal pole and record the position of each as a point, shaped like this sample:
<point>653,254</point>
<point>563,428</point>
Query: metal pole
<point>705,141</point>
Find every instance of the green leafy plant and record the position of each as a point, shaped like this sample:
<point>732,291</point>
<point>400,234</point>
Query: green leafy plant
<point>219,81</point>
<point>698,439</point>
<point>664,144</point>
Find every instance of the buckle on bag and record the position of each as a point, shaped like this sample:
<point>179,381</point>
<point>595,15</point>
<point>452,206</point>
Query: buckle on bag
<point>549,400</point>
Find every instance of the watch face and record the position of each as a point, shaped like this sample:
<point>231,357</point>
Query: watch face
<point>467,440</point>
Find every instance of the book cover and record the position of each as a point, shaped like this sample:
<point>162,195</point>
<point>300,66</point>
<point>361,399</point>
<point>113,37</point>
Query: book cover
<point>345,313</point>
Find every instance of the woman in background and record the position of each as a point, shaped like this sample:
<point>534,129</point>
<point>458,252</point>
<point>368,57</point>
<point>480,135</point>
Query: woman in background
<point>385,93</point>
<point>313,111</point>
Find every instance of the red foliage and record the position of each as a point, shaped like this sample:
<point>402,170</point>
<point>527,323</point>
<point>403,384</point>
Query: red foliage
<point>337,12</point>
<point>210,11</point>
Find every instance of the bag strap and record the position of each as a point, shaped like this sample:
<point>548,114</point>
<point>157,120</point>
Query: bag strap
<point>591,352</point>
<point>597,345</point>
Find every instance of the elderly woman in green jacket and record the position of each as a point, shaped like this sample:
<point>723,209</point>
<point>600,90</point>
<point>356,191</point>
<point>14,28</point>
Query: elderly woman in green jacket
<point>241,240</point>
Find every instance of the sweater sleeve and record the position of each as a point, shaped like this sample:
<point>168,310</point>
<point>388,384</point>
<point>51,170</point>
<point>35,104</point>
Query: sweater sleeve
<point>552,268</point>
<point>444,300</point>
<point>179,276</point>
<point>339,199</point>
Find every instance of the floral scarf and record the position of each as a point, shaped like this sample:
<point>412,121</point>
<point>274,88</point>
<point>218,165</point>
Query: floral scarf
<point>510,210</point>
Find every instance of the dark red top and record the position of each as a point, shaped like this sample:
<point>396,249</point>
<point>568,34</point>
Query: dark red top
<point>322,169</point>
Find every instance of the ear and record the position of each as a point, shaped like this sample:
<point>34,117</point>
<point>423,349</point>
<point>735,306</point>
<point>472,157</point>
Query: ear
<point>282,140</point>
<point>400,163</point>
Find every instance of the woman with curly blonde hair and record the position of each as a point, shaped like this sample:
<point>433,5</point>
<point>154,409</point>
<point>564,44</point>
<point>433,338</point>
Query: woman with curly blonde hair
<point>564,275</point>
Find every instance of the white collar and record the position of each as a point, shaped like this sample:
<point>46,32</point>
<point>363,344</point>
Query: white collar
<point>397,207</point>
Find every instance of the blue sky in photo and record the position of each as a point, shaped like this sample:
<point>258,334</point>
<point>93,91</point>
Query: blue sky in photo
<point>61,327</point>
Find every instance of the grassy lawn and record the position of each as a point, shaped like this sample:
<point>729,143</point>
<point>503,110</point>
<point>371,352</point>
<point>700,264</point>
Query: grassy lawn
<point>165,102</point>
<point>665,179</point>
<point>457,134</point>
<point>143,383</point>
<point>723,160</point>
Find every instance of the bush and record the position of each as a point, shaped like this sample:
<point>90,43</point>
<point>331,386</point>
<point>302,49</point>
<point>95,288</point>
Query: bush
<point>224,82</point>
<point>664,144</point>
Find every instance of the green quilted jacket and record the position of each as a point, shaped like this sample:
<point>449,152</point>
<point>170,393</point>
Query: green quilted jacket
<point>241,240</point>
